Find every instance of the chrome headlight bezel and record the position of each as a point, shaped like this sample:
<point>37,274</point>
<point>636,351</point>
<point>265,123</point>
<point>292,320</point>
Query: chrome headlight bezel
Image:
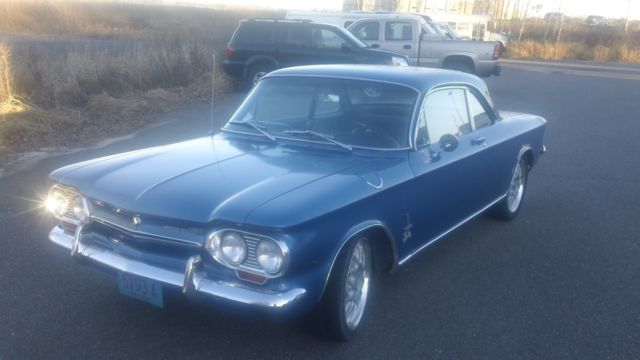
<point>238,250</point>
<point>249,263</point>
<point>56,203</point>
<point>261,248</point>
<point>59,193</point>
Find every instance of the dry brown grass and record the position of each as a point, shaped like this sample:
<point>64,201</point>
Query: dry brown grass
<point>578,41</point>
<point>574,51</point>
<point>92,70</point>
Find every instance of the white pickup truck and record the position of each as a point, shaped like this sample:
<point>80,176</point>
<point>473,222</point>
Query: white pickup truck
<point>424,45</point>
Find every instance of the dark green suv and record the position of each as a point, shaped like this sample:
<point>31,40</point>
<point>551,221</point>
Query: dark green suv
<point>260,46</point>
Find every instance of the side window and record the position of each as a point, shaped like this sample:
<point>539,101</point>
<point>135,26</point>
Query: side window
<point>446,114</point>
<point>479,115</point>
<point>299,35</point>
<point>368,30</point>
<point>398,30</point>
<point>327,102</point>
<point>254,33</point>
<point>326,39</point>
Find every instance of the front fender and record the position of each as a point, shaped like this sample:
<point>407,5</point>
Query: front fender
<point>351,234</point>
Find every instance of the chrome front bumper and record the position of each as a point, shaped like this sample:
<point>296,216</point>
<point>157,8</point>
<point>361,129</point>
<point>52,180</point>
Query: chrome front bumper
<point>192,281</point>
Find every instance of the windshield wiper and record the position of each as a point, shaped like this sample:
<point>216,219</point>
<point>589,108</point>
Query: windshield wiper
<point>319,135</point>
<point>258,128</point>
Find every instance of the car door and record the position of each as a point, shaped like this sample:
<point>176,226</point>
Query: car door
<point>368,32</point>
<point>493,149</point>
<point>451,173</point>
<point>330,47</point>
<point>398,37</point>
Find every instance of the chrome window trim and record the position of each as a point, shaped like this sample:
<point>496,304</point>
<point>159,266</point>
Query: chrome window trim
<point>469,92</point>
<point>412,119</point>
<point>283,247</point>
<point>458,85</point>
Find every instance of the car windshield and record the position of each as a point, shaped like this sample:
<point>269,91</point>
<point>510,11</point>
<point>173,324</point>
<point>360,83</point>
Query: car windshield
<point>340,112</point>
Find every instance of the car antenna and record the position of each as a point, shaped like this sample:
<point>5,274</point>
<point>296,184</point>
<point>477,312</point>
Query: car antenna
<point>213,87</point>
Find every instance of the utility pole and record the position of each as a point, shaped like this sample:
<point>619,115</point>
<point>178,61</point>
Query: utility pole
<point>626,24</point>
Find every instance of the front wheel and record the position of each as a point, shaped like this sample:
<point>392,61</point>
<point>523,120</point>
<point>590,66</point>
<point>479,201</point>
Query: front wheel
<point>509,207</point>
<point>345,300</point>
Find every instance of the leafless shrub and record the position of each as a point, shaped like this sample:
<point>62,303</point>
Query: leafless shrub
<point>94,69</point>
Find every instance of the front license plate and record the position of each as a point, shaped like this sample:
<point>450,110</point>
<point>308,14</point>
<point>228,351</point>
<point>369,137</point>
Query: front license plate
<point>140,288</point>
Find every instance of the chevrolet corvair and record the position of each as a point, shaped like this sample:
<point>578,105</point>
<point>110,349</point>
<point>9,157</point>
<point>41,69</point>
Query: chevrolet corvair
<point>324,177</point>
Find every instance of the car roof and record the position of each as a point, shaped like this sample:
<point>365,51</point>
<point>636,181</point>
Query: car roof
<point>421,79</point>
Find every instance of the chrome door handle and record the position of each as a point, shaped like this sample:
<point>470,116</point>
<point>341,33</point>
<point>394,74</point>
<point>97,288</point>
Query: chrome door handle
<point>479,141</point>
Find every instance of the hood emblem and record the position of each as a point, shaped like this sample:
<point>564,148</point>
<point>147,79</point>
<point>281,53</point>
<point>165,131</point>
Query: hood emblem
<point>136,220</point>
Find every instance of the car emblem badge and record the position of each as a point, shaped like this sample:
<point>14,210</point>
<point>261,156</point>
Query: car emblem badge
<point>406,230</point>
<point>136,220</point>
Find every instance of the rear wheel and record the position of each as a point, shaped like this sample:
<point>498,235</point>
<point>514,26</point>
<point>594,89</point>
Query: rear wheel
<point>344,303</point>
<point>509,207</point>
<point>459,65</point>
<point>255,73</point>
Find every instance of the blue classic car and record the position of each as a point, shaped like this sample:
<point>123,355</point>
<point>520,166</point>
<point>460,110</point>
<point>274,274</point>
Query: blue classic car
<point>324,177</point>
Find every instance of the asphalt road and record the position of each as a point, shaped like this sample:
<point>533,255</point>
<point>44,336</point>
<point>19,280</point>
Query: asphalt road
<point>560,282</point>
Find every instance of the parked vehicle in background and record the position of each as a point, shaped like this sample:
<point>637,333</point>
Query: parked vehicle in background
<point>260,46</point>
<point>325,177</point>
<point>447,31</point>
<point>412,36</point>
<point>470,27</point>
<point>466,27</point>
<point>596,20</point>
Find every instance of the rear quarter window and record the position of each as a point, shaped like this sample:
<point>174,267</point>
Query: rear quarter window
<point>254,33</point>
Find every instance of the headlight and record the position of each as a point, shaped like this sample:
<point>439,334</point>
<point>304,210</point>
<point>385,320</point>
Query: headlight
<point>248,253</point>
<point>80,209</point>
<point>57,203</point>
<point>399,61</point>
<point>233,248</point>
<point>270,256</point>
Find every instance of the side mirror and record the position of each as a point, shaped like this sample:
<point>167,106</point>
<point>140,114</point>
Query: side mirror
<point>421,37</point>
<point>448,143</point>
<point>345,47</point>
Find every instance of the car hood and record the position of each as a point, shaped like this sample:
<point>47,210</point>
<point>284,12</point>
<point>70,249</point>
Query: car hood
<point>202,179</point>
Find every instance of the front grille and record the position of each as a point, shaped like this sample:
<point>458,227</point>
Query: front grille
<point>251,262</point>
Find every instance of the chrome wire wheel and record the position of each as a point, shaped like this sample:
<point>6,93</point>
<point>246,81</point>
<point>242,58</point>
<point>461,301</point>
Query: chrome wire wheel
<point>516,188</point>
<point>357,284</point>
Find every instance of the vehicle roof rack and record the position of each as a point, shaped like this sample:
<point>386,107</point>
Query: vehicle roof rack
<point>277,20</point>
